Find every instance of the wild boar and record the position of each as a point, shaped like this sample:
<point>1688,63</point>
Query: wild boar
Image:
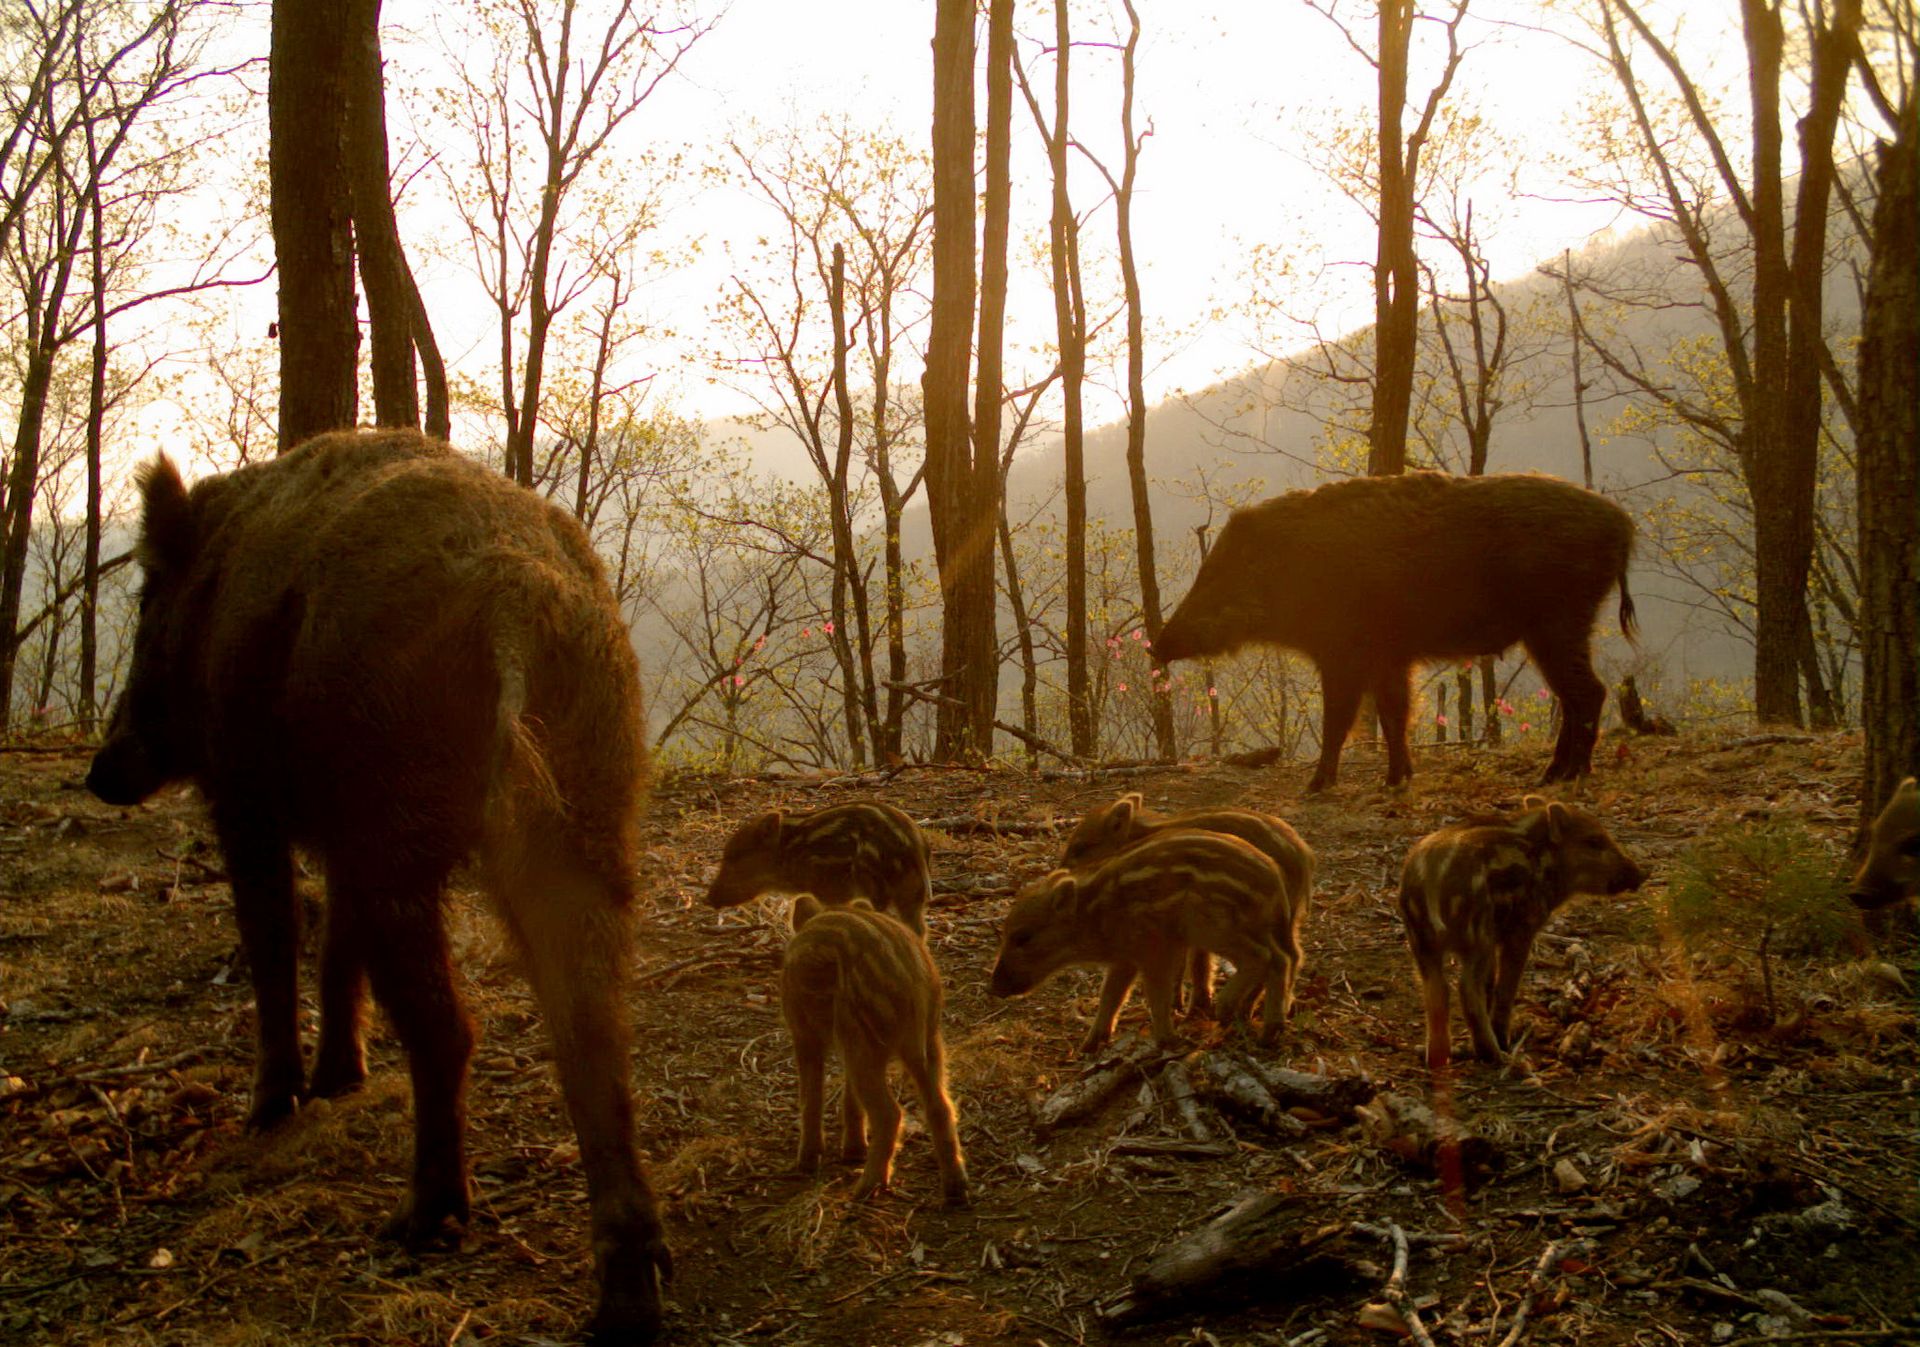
<point>1127,820</point>
<point>1890,870</point>
<point>859,979</point>
<point>1140,911</point>
<point>382,653</point>
<point>1368,577</point>
<point>1481,892</point>
<point>863,849</point>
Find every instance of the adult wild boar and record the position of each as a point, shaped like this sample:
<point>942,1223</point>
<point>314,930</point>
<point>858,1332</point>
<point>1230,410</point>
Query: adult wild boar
<point>381,652</point>
<point>1890,870</point>
<point>1370,576</point>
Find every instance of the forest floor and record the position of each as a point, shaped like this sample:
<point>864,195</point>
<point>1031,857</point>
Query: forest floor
<point>1695,1173</point>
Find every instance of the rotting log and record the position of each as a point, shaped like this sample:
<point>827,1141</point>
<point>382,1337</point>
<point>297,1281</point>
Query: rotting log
<point>1443,1147</point>
<point>1178,1084</point>
<point>1330,1096</point>
<point>1100,1082</point>
<point>1229,1084</point>
<point>1260,1249</point>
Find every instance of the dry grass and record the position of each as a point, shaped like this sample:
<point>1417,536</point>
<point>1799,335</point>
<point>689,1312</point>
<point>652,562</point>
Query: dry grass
<point>1664,1077</point>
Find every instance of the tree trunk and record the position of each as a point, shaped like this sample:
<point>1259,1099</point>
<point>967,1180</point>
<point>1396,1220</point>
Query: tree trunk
<point>312,220</point>
<point>96,424</point>
<point>1070,321</point>
<point>1136,390</point>
<point>1395,274</point>
<point>845,564</point>
<point>1889,475</point>
<point>962,540</point>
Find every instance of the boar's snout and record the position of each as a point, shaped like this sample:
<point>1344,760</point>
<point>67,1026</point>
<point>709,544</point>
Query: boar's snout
<point>123,772</point>
<point>1870,891</point>
<point>1628,878</point>
<point>1006,982</point>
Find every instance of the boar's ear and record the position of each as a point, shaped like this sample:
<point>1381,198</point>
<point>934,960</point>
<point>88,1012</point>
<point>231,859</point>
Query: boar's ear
<point>805,908</point>
<point>1557,819</point>
<point>1534,802</point>
<point>1066,892</point>
<point>166,517</point>
<point>766,828</point>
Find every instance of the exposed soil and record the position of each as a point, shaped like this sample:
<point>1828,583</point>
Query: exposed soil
<point>1719,1161</point>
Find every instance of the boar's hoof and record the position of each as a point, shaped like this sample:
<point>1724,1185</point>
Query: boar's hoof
<point>853,1153</point>
<point>271,1108</point>
<point>956,1194</point>
<point>1092,1043</point>
<point>1318,782</point>
<point>429,1222</point>
<point>629,1311</point>
<point>333,1079</point>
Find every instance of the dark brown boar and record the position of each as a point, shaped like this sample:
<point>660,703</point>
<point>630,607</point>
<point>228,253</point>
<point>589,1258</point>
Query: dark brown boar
<point>385,654</point>
<point>1481,892</point>
<point>860,980</point>
<point>1140,911</point>
<point>1371,576</point>
<point>1127,820</point>
<point>1890,871</point>
<point>862,849</point>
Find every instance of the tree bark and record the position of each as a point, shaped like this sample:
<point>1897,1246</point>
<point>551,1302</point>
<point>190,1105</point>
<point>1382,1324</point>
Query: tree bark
<point>1889,474</point>
<point>1162,703</point>
<point>963,541</point>
<point>846,575</point>
<point>1395,292</point>
<point>312,220</point>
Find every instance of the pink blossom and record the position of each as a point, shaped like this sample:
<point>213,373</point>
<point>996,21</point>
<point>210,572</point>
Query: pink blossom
<point>806,631</point>
<point>827,627</point>
<point>738,681</point>
<point>1123,687</point>
<point>1138,635</point>
<point>1213,692</point>
<point>1524,727</point>
<point>760,644</point>
<point>1146,645</point>
<point>1440,720</point>
<point>1542,693</point>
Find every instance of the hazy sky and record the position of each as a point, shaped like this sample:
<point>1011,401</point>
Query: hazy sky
<point>1230,88</point>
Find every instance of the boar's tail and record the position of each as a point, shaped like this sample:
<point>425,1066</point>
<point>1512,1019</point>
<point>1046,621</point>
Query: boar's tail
<point>1628,623</point>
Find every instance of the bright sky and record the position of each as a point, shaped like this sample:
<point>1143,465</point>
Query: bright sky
<point>1226,84</point>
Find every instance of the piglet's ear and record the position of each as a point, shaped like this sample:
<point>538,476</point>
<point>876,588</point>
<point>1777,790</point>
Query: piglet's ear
<point>167,534</point>
<point>1066,891</point>
<point>1120,813</point>
<point>1556,822</point>
<point>805,908</point>
<point>766,828</point>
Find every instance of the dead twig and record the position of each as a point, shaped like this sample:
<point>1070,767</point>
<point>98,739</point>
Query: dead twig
<point>1536,1284</point>
<point>1396,1290</point>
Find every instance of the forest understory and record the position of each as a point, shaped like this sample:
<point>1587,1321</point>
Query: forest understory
<point>1673,1158</point>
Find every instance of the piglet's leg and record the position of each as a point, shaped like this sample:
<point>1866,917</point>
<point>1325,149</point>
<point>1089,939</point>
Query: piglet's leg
<point>260,860</point>
<point>1506,985</point>
<point>926,1066</point>
<point>1476,994</point>
<point>810,1060</point>
<point>867,1079</point>
<point>1113,995</point>
<point>1430,968</point>
<point>1160,973</point>
<point>1200,974</point>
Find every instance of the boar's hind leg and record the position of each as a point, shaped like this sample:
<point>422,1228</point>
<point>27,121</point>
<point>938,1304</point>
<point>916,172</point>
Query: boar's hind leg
<point>1340,690</point>
<point>573,930</point>
<point>1392,698</point>
<point>1565,661</point>
<point>926,1066</point>
<point>261,863</point>
<point>398,907</point>
<point>341,1063</point>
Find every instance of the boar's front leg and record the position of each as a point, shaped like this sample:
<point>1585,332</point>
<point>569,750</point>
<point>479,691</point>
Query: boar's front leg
<point>1113,995</point>
<point>260,861</point>
<point>1340,689</point>
<point>1476,996</point>
<point>1514,950</point>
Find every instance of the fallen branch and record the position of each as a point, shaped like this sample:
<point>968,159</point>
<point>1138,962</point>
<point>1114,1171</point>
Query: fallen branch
<point>1032,741</point>
<point>1333,1096</point>
<point>1396,1290</point>
<point>963,824</point>
<point>1231,1084</point>
<point>1180,1093</point>
<point>1536,1284</point>
<point>1095,1086</point>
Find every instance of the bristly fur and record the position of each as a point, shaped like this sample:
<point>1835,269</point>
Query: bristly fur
<point>861,849</point>
<point>860,980</point>
<point>1481,892</point>
<point>1371,576</point>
